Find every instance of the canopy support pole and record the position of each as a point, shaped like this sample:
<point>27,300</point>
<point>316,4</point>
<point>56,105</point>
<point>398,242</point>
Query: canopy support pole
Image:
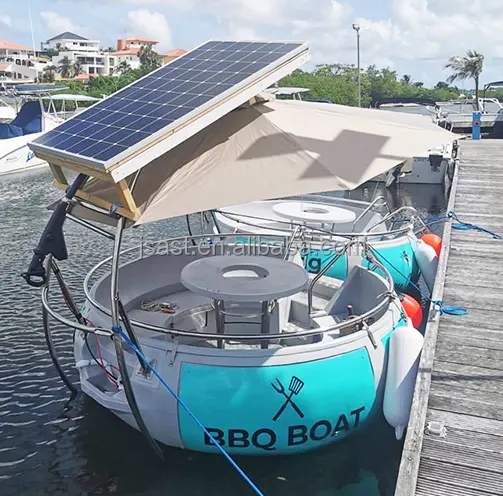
<point>121,360</point>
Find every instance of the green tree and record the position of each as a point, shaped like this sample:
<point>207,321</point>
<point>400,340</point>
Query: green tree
<point>51,52</point>
<point>49,74</point>
<point>65,68</point>
<point>77,68</point>
<point>406,79</point>
<point>149,60</point>
<point>467,67</point>
<point>122,68</point>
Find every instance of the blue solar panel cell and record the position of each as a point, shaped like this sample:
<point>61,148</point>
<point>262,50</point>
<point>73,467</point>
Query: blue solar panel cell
<point>107,153</point>
<point>161,99</point>
<point>82,146</point>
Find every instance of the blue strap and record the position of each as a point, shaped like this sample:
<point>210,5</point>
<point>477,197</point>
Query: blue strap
<point>466,226</point>
<point>450,310</point>
<point>439,304</point>
<point>118,330</point>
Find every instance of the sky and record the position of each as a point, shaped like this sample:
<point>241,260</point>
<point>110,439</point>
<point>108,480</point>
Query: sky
<point>414,37</point>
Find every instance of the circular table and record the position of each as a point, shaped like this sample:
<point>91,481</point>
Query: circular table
<point>318,213</point>
<point>244,278</point>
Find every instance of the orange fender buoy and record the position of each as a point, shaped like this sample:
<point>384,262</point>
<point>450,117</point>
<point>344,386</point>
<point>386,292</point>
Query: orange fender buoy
<point>412,309</point>
<point>434,241</point>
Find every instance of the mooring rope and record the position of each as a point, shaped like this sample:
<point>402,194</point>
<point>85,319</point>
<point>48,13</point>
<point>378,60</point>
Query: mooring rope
<point>438,303</point>
<point>464,226</point>
<point>120,332</point>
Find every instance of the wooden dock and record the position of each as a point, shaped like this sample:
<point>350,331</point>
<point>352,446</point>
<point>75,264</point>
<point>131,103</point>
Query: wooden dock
<point>460,379</point>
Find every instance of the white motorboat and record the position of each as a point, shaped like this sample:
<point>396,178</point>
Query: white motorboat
<point>457,115</point>
<point>433,166</point>
<point>38,114</point>
<point>226,349</point>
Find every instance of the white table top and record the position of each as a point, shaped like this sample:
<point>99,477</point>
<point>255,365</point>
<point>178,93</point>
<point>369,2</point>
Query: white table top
<point>244,278</point>
<point>314,212</point>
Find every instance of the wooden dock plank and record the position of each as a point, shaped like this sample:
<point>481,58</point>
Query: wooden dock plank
<point>460,478</point>
<point>440,449</point>
<point>460,381</point>
<point>427,487</point>
<point>466,423</point>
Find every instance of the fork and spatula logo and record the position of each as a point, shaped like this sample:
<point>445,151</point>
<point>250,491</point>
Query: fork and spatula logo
<point>294,389</point>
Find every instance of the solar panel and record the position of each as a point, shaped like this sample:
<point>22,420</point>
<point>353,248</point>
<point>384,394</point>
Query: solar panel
<point>159,103</point>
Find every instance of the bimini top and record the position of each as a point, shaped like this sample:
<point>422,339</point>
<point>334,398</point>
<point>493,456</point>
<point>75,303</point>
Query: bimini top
<point>68,97</point>
<point>272,149</point>
<point>199,133</point>
<point>286,90</point>
<point>122,133</point>
<point>403,100</point>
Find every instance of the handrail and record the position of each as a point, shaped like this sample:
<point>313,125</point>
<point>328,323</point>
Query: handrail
<point>308,229</point>
<point>322,273</point>
<point>393,214</point>
<point>179,332</point>
<point>226,337</point>
<point>369,208</point>
<point>293,237</point>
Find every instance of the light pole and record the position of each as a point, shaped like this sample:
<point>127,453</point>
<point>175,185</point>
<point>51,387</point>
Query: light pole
<point>356,27</point>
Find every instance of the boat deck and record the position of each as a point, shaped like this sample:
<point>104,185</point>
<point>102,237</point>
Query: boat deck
<point>460,381</point>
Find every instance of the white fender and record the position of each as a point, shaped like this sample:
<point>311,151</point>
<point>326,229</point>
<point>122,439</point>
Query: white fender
<point>405,348</point>
<point>428,261</point>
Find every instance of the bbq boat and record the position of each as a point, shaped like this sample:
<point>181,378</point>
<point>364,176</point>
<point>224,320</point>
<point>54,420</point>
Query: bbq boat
<point>206,344</point>
<point>331,221</point>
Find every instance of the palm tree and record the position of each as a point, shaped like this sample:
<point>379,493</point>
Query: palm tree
<point>51,69</point>
<point>66,68</point>
<point>49,73</point>
<point>149,60</point>
<point>123,68</point>
<point>77,68</point>
<point>468,67</point>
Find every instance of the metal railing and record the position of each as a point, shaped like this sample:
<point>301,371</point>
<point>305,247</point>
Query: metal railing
<point>371,207</point>
<point>173,331</point>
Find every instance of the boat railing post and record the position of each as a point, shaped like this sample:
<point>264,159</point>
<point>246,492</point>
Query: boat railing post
<point>265,324</point>
<point>220,321</point>
<point>322,272</point>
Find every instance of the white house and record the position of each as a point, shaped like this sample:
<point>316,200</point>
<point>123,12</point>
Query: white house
<point>71,42</point>
<point>83,51</point>
<point>18,62</point>
<point>129,48</point>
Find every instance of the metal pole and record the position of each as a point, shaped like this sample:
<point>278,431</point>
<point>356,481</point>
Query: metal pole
<point>356,27</point>
<point>359,73</point>
<point>121,359</point>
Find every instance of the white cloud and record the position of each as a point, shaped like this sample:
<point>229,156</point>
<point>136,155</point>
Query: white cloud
<point>56,24</point>
<point>6,20</point>
<point>154,25</point>
<point>413,35</point>
<point>243,33</point>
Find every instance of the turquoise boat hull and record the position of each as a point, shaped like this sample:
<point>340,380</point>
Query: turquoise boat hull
<point>398,259</point>
<point>333,397</point>
<point>396,255</point>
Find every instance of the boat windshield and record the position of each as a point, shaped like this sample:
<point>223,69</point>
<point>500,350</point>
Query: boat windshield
<point>409,108</point>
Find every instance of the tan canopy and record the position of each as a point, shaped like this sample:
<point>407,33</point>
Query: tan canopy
<point>275,149</point>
